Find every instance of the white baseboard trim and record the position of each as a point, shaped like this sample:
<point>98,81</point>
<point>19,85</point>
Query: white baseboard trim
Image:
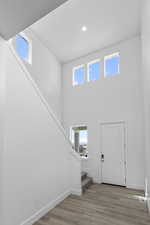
<point>77,192</point>
<point>97,180</point>
<point>46,209</point>
<point>136,187</point>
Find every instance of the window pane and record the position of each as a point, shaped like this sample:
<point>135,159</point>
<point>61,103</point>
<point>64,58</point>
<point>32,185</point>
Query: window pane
<point>72,136</point>
<point>79,139</point>
<point>79,76</point>
<point>83,140</point>
<point>94,71</point>
<point>83,137</point>
<point>22,47</point>
<point>112,65</point>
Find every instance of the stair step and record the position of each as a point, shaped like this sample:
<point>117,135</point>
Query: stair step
<point>86,183</point>
<point>83,175</point>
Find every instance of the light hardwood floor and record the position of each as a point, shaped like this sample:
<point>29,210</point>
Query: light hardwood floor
<point>100,205</point>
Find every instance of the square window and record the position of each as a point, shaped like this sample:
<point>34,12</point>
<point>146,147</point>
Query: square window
<point>112,65</point>
<point>22,48</point>
<point>93,70</point>
<point>79,75</point>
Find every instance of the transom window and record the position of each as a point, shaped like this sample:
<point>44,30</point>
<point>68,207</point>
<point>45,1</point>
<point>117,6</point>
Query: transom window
<point>79,139</point>
<point>79,75</point>
<point>111,65</point>
<point>23,48</point>
<point>94,70</point>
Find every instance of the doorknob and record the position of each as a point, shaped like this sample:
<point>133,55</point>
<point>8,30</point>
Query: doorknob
<point>102,157</point>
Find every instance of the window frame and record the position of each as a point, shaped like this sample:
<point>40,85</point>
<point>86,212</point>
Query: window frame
<point>26,38</point>
<point>88,69</point>
<point>70,137</point>
<point>109,57</point>
<point>73,74</point>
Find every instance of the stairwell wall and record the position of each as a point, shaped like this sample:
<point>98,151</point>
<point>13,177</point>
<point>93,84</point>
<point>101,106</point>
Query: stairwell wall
<point>35,168</point>
<point>45,69</point>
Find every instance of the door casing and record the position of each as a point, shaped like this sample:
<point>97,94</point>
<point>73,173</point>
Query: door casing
<point>125,147</point>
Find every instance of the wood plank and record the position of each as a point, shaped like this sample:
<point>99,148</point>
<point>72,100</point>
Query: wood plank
<point>100,205</point>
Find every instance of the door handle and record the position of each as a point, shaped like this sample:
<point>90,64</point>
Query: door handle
<point>102,157</point>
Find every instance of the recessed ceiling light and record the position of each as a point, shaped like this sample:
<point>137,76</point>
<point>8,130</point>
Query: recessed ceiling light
<point>84,28</point>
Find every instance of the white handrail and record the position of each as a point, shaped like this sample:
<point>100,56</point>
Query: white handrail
<point>36,88</point>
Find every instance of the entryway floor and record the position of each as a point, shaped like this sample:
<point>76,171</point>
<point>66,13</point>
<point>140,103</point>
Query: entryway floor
<point>100,205</point>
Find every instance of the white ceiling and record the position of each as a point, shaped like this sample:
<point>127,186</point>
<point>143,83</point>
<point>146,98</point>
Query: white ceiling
<point>107,21</point>
<point>16,15</point>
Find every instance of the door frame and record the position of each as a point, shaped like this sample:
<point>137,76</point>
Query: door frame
<point>125,147</point>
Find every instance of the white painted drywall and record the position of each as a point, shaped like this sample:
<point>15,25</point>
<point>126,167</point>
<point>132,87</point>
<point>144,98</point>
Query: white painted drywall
<point>17,15</point>
<point>2,116</point>
<point>45,69</point>
<point>107,23</point>
<point>146,77</point>
<point>117,98</point>
<point>36,157</point>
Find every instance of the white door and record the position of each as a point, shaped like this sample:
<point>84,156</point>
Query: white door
<point>113,154</point>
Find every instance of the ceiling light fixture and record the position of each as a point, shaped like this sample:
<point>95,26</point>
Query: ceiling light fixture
<point>84,28</point>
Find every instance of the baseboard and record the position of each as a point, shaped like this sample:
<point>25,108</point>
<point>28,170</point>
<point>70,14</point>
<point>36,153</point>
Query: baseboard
<point>77,192</point>
<point>136,187</point>
<point>46,209</point>
<point>96,180</point>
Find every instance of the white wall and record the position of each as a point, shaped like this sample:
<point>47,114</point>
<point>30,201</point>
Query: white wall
<point>146,78</point>
<point>46,71</point>
<point>117,98</point>
<point>36,172</point>
<point>2,116</point>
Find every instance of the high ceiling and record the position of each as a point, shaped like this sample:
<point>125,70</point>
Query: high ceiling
<point>107,22</point>
<point>16,15</point>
